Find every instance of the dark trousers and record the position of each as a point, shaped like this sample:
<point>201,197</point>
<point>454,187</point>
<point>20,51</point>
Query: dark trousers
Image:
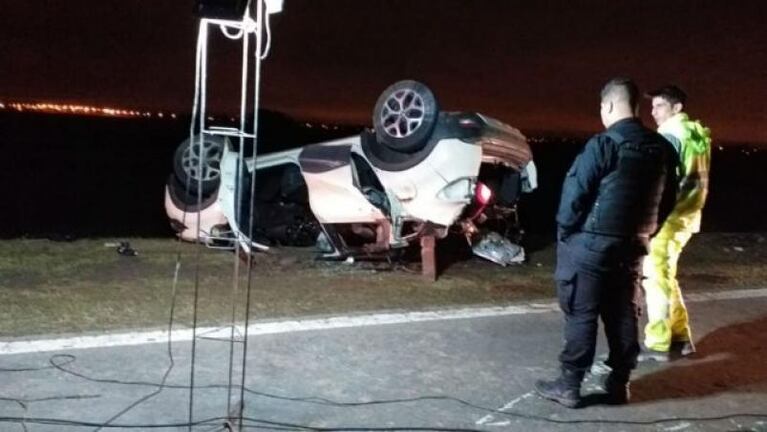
<point>591,285</point>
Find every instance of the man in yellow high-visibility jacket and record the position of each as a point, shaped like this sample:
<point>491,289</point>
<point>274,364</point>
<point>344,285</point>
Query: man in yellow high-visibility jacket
<point>667,333</point>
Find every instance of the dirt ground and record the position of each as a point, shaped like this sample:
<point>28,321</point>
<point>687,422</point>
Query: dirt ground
<point>49,287</point>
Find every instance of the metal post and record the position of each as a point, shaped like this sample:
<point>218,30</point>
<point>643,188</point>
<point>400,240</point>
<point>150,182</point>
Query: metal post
<point>429,258</point>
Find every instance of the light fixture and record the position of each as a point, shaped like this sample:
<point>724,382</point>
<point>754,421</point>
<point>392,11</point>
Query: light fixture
<point>221,9</point>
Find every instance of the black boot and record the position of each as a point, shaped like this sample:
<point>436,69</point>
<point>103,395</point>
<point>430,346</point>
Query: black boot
<point>565,390</point>
<point>617,386</point>
<point>682,348</point>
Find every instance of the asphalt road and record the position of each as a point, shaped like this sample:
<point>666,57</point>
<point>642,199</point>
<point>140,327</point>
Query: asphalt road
<point>467,373</point>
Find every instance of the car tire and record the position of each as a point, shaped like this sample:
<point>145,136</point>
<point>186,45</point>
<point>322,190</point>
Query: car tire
<point>187,201</point>
<point>405,115</point>
<point>186,163</point>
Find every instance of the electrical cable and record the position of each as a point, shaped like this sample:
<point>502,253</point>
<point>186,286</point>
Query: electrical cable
<point>238,203</point>
<point>201,81</point>
<point>201,51</point>
<point>35,369</point>
<point>255,423</point>
<point>168,370</point>
<point>246,26</point>
<point>268,43</point>
<point>63,363</point>
<point>331,403</point>
<point>49,398</point>
<point>256,104</point>
<point>233,36</point>
<point>24,403</point>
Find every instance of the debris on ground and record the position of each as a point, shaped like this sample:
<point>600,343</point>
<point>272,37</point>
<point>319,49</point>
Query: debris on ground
<point>498,249</point>
<point>123,248</point>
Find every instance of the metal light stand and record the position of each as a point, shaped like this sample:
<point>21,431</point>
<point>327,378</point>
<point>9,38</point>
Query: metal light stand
<point>243,30</point>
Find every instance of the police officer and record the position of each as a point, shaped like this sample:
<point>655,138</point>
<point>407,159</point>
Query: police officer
<point>617,191</point>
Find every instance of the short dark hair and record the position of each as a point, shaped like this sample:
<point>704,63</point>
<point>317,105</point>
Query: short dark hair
<point>671,93</point>
<point>622,88</point>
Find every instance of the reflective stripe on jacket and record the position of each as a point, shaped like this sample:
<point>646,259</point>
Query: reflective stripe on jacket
<point>695,158</point>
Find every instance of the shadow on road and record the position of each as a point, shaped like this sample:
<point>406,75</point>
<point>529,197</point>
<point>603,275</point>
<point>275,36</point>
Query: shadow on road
<point>729,359</point>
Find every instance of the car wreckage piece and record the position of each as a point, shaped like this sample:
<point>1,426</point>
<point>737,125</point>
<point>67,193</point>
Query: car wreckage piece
<point>420,172</point>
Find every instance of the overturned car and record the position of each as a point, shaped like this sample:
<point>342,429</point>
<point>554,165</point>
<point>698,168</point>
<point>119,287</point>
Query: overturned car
<point>420,172</point>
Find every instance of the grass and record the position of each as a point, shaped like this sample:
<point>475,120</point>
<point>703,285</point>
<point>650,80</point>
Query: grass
<point>84,286</point>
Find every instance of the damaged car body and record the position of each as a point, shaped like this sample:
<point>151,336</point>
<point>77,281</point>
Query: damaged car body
<point>419,172</point>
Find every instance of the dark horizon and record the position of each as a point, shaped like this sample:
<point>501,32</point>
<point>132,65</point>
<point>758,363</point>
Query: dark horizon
<point>531,134</point>
<point>105,176</point>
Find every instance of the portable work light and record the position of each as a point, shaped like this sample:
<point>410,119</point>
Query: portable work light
<point>221,9</point>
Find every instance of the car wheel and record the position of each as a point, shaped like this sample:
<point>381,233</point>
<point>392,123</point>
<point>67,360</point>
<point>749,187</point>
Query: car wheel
<point>189,170</point>
<point>405,115</point>
<point>187,201</point>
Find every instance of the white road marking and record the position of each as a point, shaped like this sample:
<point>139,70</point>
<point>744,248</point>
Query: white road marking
<point>17,346</point>
<point>725,295</point>
<point>261,328</point>
<point>486,420</point>
<point>513,402</point>
<point>680,426</point>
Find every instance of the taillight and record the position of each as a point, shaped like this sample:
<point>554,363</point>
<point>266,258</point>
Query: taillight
<point>483,194</point>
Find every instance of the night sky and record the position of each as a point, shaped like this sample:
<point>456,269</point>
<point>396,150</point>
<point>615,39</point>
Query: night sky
<point>536,65</point>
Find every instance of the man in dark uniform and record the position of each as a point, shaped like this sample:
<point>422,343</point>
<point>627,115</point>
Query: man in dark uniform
<point>615,195</point>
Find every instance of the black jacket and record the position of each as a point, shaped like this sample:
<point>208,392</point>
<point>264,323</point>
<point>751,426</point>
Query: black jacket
<point>622,185</point>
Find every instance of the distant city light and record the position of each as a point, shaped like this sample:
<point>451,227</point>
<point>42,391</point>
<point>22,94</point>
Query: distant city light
<point>61,108</point>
